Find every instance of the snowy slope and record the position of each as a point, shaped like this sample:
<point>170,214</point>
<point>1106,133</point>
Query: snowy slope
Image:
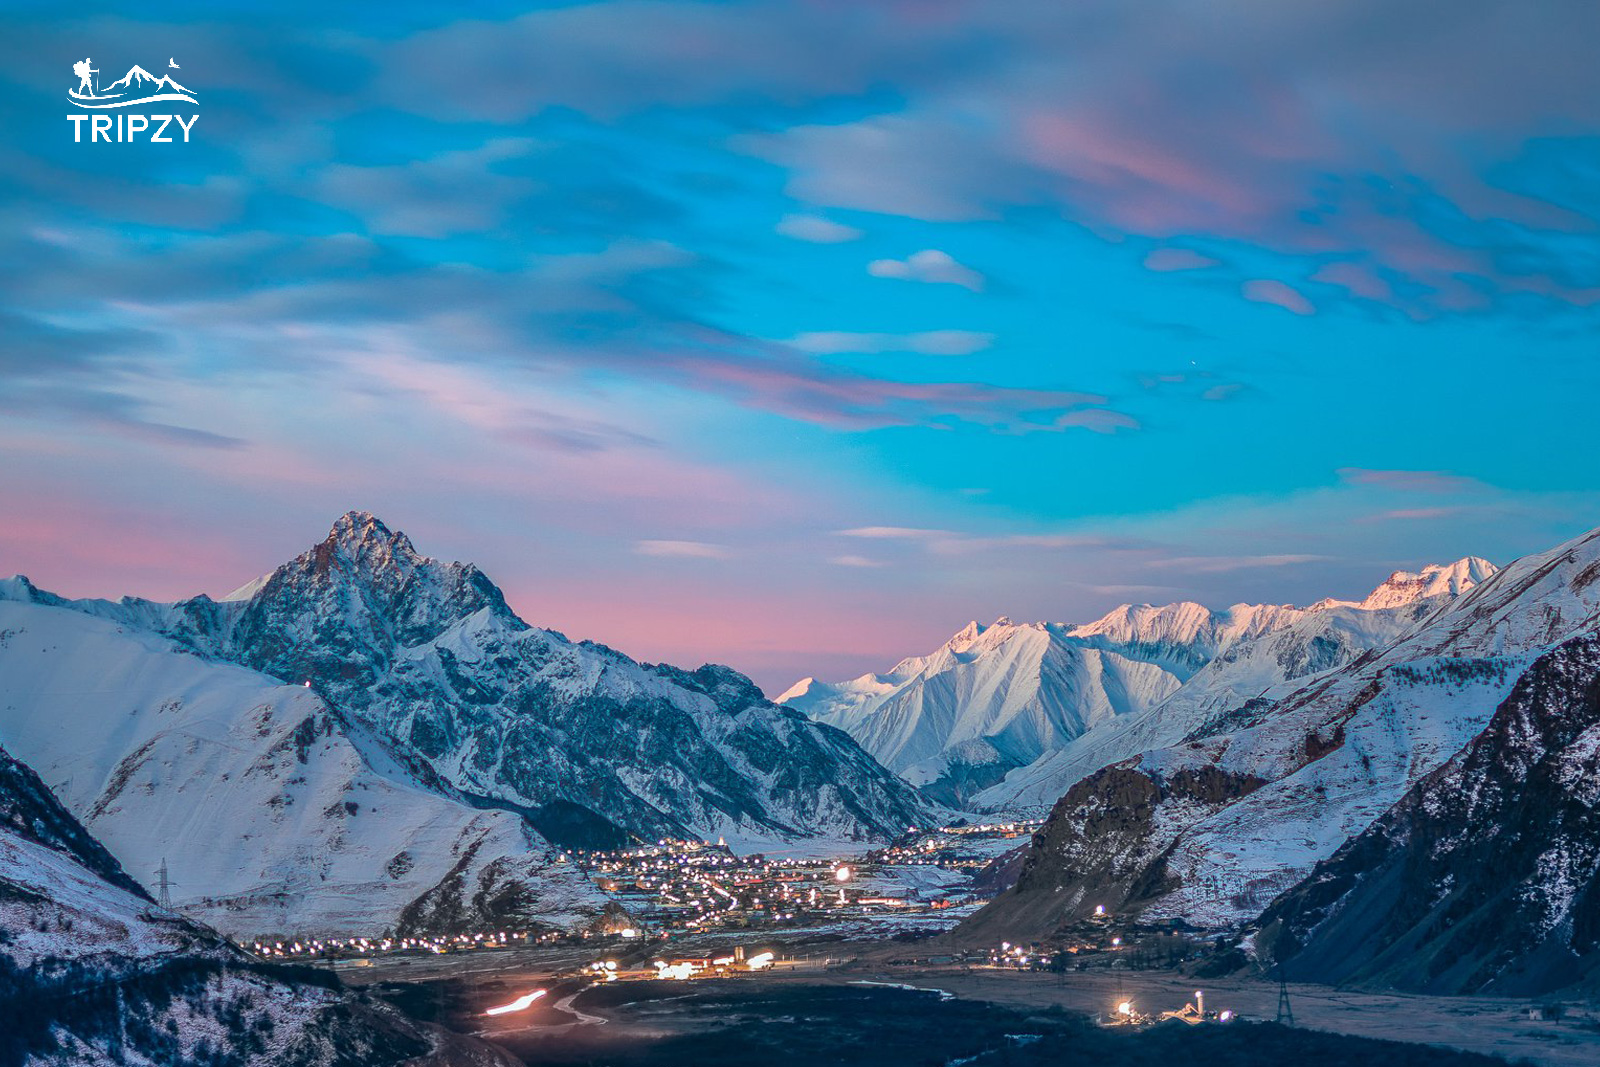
<point>1212,827</point>
<point>1486,876</point>
<point>92,972</point>
<point>1042,704</point>
<point>274,818</point>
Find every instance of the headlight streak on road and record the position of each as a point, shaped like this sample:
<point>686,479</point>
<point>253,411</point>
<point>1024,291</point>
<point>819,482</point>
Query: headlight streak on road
<point>520,1004</point>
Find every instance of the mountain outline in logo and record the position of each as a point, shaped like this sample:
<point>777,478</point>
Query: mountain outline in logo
<point>138,86</point>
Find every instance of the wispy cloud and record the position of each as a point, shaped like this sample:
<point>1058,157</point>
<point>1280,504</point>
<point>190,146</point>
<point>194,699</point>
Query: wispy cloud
<point>1416,514</point>
<point>680,549</point>
<point>1408,481</point>
<point>926,342</point>
<point>894,533</point>
<point>1225,564</point>
<point>1165,260</point>
<point>816,229</point>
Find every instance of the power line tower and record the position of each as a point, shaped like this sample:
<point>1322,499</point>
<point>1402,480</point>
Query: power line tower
<point>1285,1011</point>
<point>164,884</point>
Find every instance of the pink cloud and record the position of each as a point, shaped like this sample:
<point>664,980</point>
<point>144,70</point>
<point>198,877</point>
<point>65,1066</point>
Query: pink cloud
<point>1175,259</point>
<point>854,561</point>
<point>680,550</point>
<point>1268,291</point>
<point>1357,280</point>
<point>894,533</point>
<point>924,342</point>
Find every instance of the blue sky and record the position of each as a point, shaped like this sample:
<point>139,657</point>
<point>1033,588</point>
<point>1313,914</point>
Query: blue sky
<point>794,335</point>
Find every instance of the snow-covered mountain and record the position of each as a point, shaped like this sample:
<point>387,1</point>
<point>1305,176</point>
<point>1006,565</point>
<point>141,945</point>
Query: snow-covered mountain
<point>593,746</point>
<point>275,814</point>
<point>1247,673</point>
<point>1213,826</point>
<point>371,738</point>
<point>93,972</point>
<point>1407,587</point>
<point>1002,716</point>
<point>1486,875</point>
<point>992,699</point>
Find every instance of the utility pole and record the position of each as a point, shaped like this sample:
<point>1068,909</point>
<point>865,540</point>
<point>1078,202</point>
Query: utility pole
<point>1285,1012</point>
<point>164,884</point>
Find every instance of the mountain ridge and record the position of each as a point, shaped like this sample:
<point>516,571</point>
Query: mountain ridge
<point>1212,827</point>
<point>988,719</point>
<point>362,668</point>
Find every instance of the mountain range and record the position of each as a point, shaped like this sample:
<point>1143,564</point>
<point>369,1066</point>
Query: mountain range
<point>1382,815</point>
<point>1007,716</point>
<point>367,738</point>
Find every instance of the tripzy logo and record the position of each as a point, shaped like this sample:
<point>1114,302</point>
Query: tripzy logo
<point>134,89</point>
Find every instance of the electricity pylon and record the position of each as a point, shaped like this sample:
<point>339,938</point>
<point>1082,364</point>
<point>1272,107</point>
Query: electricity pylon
<point>164,884</point>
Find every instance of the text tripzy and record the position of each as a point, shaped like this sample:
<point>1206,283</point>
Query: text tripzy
<point>131,127</point>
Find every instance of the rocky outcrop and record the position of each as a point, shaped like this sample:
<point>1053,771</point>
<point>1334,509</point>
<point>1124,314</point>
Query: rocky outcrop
<point>1102,846</point>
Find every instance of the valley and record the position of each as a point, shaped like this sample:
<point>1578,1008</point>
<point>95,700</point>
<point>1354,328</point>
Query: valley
<point>847,995</point>
<point>368,774</point>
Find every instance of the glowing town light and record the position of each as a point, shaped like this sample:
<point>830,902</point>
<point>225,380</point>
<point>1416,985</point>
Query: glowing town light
<point>1116,942</point>
<point>520,1004</point>
<point>841,874</point>
<point>1099,909</point>
<point>1125,1008</point>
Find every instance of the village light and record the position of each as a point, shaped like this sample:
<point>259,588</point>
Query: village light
<point>842,874</point>
<point>1125,1008</point>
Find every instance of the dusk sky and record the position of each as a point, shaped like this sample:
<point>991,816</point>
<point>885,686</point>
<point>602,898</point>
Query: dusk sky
<point>793,336</point>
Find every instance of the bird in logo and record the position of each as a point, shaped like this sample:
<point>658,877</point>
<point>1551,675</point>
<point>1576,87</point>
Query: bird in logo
<point>173,63</point>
